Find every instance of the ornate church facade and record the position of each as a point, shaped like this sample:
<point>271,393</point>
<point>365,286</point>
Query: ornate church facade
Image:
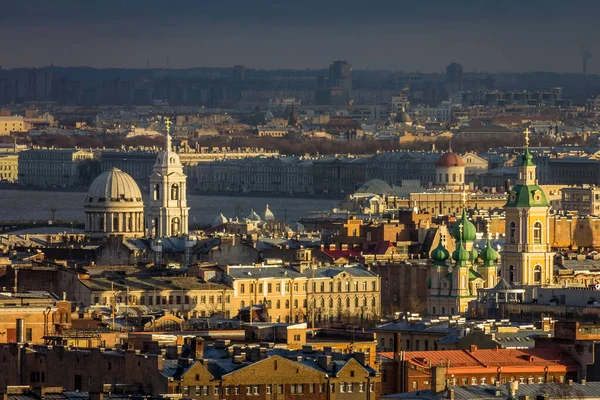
<point>526,257</point>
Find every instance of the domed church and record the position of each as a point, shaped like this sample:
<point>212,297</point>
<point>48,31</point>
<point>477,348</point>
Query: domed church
<point>114,206</point>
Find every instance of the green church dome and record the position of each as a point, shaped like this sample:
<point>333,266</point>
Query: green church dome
<point>469,232</point>
<point>461,255</point>
<point>489,255</point>
<point>439,255</point>
<point>474,255</point>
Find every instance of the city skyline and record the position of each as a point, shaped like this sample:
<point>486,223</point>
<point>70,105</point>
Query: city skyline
<point>492,37</point>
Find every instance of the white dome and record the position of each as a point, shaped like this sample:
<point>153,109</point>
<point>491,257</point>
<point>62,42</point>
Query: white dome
<point>220,220</point>
<point>253,216</point>
<point>114,186</point>
<point>269,216</point>
<point>166,159</point>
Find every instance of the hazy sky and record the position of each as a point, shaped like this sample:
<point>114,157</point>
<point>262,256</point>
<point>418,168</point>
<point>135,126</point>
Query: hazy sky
<point>424,35</point>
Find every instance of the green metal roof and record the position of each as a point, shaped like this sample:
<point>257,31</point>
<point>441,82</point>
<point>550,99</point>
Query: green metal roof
<point>469,232</point>
<point>526,196</point>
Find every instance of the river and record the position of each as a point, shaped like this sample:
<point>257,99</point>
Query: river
<point>38,205</point>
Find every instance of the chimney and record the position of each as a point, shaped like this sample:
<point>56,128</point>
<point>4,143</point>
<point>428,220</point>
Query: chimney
<point>397,343</point>
<point>570,382</point>
<point>198,347</point>
<point>96,396</point>
<point>324,362</point>
<point>583,382</point>
<point>473,348</point>
<point>20,328</point>
<point>438,379</point>
<point>451,394</point>
<point>513,388</point>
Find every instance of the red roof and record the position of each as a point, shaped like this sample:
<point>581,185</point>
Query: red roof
<point>336,254</point>
<point>450,159</point>
<point>541,357</point>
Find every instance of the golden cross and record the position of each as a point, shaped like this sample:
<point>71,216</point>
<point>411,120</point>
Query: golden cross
<point>488,226</point>
<point>168,124</point>
<point>464,197</point>
<point>526,137</point>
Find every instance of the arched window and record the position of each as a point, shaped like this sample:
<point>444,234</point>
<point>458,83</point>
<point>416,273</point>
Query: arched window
<point>242,304</point>
<point>295,303</point>
<point>537,233</point>
<point>101,222</point>
<point>537,275</point>
<point>339,302</point>
<point>356,302</point>
<point>347,286</point>
<point>330,303</point>
<point>130,223</point>
<point>373,301</point>
<point>347,302</point>
<point>175,192</point>
<point>175,226</point>
<point>512,232</point>
<point>287,304</point>
<point>322,303</point>
<point>115,226</point>
<point>157,192</point>
<point>511,274</point>
<point>278,304</point>
<point>365,302</point>
<point>433,310</point>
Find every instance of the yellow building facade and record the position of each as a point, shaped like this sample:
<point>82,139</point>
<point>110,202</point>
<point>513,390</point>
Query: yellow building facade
<point>526,257</point>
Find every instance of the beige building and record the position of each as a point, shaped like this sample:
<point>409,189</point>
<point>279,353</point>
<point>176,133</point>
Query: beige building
<point>319,295</point>
<point>450,172</point>
<point>9,124</point>
<point>584,200</point>
<point>9,167</point>
<point>50,167</point>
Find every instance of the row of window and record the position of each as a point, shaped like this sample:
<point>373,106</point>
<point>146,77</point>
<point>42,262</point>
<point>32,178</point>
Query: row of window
<point>158,300</point>
<point>537,232</point>
<point>348,303</point>
<point>256,390</point>
<point>317,288</point>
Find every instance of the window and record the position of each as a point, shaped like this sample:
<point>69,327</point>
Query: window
<point>175,192</point>
<point>28,335</point>
<point>300,388</point>
<point>248,389</point>
<point>236,390</point>
<point>293,389</point>
<point>278,304</point>
<point>361,387</point>
<point>364,286</point>
<point>295,287</point>
<point>278,287</point>
<point>295,303</point>
<point>537,275</point>
<point>415,385</point>
<point>512,233</point>
<point>242,288</point>
<point>511,274</point>
<point>205,390</point>
<point>269,389</point>
<point>537,233</point>
<point>371,387</point>
<point>175,224</point>
<point>473,381</point>
<point>279,389</point>
<point>227,390</point>
<point>342,387</point>
<point>287,304</point>
<point>540,379</point>
<point>157,192</point>
<point>350,387</point>
<point>482,380</point>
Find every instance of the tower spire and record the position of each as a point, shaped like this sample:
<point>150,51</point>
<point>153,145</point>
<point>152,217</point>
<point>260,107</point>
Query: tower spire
<point>168,126</point>
<point>527,138</point>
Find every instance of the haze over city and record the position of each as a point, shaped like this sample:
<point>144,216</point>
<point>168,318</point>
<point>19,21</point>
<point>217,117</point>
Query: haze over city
<point>510,35</point>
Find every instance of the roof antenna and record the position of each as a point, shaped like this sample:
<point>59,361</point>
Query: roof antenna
<point>450,145</point>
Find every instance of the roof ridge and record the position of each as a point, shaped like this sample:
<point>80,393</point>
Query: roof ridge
<point>470,354</point>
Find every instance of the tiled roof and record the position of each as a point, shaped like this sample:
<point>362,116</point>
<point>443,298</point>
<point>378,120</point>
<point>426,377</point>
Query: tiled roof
<point>492,358</point>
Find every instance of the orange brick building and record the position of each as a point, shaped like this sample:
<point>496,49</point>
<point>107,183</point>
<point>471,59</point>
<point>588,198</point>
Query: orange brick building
<point>418,370</point>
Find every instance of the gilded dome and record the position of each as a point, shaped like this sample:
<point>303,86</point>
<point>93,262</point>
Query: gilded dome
<point>113,186</point>
<point>450,159</point>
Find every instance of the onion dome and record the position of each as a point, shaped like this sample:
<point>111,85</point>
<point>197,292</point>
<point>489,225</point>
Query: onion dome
<point>450,159</point>
<point>253,216</point>
<point>469,232</point>
<point>489,255</point>
<point>269,216</point>
<point>461,255</point>
<point>474,255</point>
<point>439,255</point>
<point>220,220</point>
<point>527,159</point>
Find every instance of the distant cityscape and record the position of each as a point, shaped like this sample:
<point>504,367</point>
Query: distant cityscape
<point>459,258</point>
